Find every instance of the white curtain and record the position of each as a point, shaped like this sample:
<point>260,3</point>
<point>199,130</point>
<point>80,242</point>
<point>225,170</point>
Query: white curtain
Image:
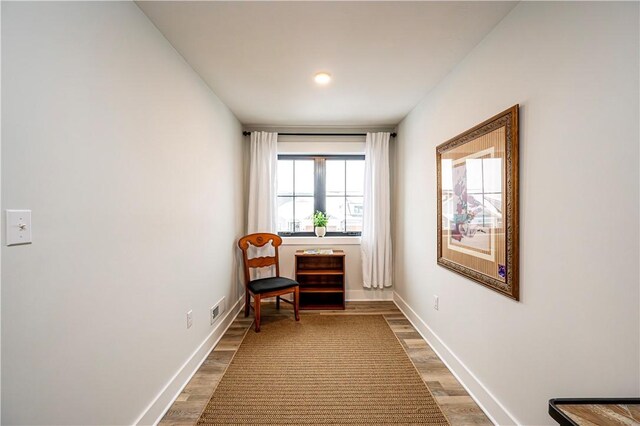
<point>262,182</point>
<point>262,214</point>
<point>376,226</point>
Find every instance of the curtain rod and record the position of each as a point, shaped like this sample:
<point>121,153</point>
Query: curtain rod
<point>393,135</point>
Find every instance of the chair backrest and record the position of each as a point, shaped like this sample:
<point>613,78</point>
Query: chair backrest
<point>259,240</point>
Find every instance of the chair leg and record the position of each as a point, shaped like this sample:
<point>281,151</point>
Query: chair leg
<point>296,303</point>
<point>277,302</point>
<point>256,308</point>
<point>247,303</point>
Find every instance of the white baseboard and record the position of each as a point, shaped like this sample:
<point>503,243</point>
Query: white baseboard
<point>361,295</point>
<point>496,412</point>
<point>163,401</point>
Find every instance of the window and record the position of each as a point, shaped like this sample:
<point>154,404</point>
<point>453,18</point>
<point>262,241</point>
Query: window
<point>482,181</point>
<point>330,183</point>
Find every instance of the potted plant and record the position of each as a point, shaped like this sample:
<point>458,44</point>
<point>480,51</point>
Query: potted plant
<point>320,222</point>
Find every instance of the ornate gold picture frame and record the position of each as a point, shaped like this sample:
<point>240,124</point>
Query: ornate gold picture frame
<point>478,203</point>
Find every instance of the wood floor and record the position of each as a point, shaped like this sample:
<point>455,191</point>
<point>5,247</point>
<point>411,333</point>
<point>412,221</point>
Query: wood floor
<point>455,402</point>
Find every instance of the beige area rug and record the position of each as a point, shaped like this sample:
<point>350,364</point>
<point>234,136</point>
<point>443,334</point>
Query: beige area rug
<point>325,369</point>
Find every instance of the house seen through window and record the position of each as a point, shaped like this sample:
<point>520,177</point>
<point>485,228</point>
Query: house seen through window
<point>330,183</point>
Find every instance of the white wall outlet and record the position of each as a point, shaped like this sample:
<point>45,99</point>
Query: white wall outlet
<point>190,318</point>
<point>436,303</point>
<point>18,227</point>
<point>216,310</point>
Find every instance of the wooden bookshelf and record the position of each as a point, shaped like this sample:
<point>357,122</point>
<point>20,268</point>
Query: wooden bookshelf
<point>321,278</point>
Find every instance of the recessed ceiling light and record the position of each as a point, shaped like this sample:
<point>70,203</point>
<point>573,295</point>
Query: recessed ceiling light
<point>322,78</point>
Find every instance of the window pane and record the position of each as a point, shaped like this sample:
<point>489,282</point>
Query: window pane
<point>493,210</point>
<point>474,175</point>
<point>355,177</point>
<point>492,169</point>
<point>304,214</point>
<point>344,187</point>
<point>304,177</point>
<point>335,211</point>
<point>354,214</point>
<point>285,177</point>
<point>335,177</point>
<point>447,175</point>
<point>285,214</point>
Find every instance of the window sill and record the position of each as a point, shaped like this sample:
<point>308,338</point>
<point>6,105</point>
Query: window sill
<point>324,241</point>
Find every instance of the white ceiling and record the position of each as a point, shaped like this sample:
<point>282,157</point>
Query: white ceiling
<point>260,57</point>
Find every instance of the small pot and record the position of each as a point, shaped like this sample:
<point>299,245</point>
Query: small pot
<point>321,231</point>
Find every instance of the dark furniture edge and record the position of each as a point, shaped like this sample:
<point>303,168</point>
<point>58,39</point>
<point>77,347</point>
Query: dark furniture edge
<point>565,420</point>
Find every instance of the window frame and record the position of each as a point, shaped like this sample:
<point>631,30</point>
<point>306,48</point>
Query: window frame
<point>319,186</point>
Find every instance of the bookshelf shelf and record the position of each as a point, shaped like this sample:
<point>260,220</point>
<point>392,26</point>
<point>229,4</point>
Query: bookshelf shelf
<point>321,272</point>
<point>321,278</point>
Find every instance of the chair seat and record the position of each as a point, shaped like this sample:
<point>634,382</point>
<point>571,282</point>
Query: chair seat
<point>265,285</point>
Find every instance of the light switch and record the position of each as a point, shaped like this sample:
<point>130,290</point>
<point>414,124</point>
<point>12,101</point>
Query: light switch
<point>18,227</point>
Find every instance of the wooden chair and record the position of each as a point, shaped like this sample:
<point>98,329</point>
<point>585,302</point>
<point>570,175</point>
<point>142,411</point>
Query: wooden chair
<point>265,287</point>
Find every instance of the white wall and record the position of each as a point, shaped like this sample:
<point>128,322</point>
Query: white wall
<point>573,68</point>
<point>133,170</point>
